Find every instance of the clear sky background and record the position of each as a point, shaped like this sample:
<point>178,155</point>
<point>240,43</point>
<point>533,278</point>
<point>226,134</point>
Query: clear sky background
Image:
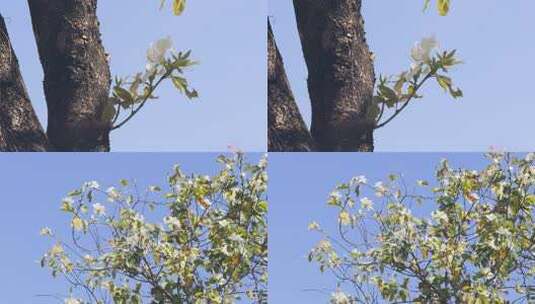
<point>34,185</point>
<point>298,190</point>
<point>227,37</point>
<point>492,37</point>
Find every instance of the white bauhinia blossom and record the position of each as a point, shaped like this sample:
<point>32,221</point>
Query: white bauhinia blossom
<point>421,52</point>
<point>45,231</point>
<point>439,216</point>
<point>503,232</point>
<point>89,259</point>
<point>156,52</point>
<point>99,209</point>
<point>334,198</point>
<point>366,203</point>
<point>336,195</point>
<point>138,217</point>
<point>412,72</point>
<point>172,222</point>
<point>359,180</point>
<point>324,245</point>
<point>313,226</point>
<point>113,194</point>
<point>91,185</point>
<point>422,183</point>
<point>236,238</point>
<point>339,297</point>
<point>154,189</point>
<point>380,189</point>
<point>344,218</point>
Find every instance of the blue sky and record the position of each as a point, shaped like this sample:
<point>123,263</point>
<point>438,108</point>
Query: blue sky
<point>298,190</point>
<point>490,36</point>
<point>34,185</point>
<point>227,37</point>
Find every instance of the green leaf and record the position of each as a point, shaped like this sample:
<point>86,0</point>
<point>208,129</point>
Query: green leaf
<point>125,95</point>
<point>388,95</point>
<point>180,83</point>
<point>444,81</point>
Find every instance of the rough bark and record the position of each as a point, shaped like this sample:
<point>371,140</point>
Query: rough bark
<point>77,76</point>
<point>287,131</point>
<point>340,73</point>
<point>20,129</point>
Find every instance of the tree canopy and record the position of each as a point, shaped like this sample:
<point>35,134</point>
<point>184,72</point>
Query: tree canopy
<point>476,246</point>
<point>199,239</point>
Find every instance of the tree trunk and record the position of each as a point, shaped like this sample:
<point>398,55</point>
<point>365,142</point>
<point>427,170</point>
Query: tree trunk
<point>287,131</point>
<point>340,73</point>
<point>20,129</point>
<point>77,76</point>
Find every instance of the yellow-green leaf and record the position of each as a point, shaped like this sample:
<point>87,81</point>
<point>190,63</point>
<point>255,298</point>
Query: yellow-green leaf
<point>443,7</point>
<point>178,6</point>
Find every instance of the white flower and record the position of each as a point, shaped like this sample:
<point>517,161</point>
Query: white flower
<point>113,194</point>
<point>99,209</point>
<point>324,245</point>
<point>172,222</point>
<point>89,259</point>
<point>380,189</point>
<point>313,226</point>
<point>138,217</point>
<point>344,218</point>
<point>45,231</point>
<point>503,231</point>
<point>485,271</point>
<point>359,180</point>
<point>339,297</point>
<point>72,301</point>
<point>157,50</point>
<point>77,223</point>
<point>91,185</point>
<point>413,71</point>
<point>422,183</point>
<point>490,217</point>
<point>366,203</point>
<point>57,249</point>
<point>421,52</point>
<point>334,198</point>
<point>336,195</point>
<point>236,238</point>
<point>154,189</point>
<point>439,216</point>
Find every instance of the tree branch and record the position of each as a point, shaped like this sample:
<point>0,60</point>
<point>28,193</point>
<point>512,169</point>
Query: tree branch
<point>287,131</point>
<point>405,104</point>
<point>20,129</point>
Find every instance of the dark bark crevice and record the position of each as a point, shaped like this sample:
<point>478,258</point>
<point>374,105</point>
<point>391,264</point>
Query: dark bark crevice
<point>340,73</point>
<point>20,129</point>
<point>77,76</point>
<point>287,131</point>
